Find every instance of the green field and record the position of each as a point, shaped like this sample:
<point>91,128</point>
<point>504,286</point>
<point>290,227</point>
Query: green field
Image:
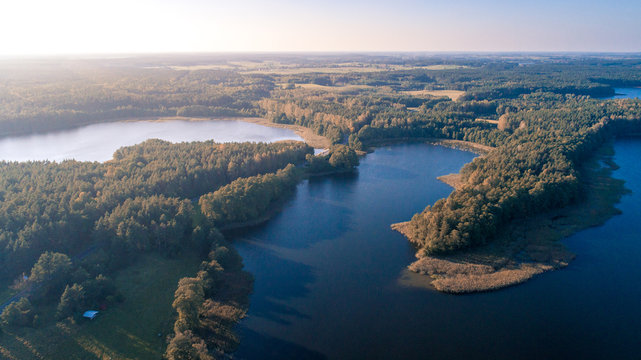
<point>134,329</point>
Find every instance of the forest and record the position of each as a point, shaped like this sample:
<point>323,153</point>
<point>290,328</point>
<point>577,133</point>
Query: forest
<point>69,226</point>
<point>66,228</point>
<point>529,173</point>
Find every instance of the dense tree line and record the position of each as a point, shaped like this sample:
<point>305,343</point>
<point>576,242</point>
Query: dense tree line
<point>58,96</point>
<point>78,222</point>
<point>207,309</point>
<point>532,171</point>
<point>146,223</point>
<point>38,101</point>
<point>58,206</point>
<point>338,158</point>
<point>246,199</point>
<point>324,116</point>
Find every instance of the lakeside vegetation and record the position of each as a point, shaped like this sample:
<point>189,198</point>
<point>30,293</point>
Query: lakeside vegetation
<point>126,330</point>
<point>72,227</point>
<point>530,246</point>
<point>528,174</point>
<point>245,199</point>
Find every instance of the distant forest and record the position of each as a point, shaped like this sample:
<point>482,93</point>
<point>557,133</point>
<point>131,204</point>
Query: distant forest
<point>42,96</point>
<point>70,225</point>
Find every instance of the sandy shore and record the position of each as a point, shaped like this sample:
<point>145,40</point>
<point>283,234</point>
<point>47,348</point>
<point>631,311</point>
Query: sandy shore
<point>527,247</point>
<point>312,139</point>
<point>453,180</point>
<point>464,145</point>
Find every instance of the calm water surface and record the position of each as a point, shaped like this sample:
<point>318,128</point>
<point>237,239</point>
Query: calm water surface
<point>327,268</point>
<point>98,142</point>
<point>626,93</point>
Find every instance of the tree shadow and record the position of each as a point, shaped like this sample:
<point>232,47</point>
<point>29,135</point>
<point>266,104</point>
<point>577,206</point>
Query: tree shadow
<point>277,281</point>
<point>389,172</point>
<point>320,210</point>
<point>260,346</point>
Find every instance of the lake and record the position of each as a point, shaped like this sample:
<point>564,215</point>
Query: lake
<point>327,268</point>
<point>626,93</point>
<point>98,142</point>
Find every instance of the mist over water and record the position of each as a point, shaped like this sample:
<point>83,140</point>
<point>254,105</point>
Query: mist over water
<point>98,142</point>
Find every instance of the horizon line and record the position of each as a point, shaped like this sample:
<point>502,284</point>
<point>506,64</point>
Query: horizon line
<point>106,55</point>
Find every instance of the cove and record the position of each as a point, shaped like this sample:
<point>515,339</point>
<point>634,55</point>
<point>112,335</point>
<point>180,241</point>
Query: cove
<point>98,142</point>
<point>327,271</point>
<point>626,93</point>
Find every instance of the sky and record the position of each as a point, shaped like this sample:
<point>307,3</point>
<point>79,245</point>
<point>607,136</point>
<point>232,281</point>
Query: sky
<point>45,27</point>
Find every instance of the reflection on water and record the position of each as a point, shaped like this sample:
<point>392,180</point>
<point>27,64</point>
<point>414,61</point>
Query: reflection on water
<point>98,142</point>
<point>626,93</point>
<point>327,276</point>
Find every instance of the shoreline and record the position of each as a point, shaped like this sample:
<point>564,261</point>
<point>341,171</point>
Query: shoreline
<point>476,148</point>
<point>454,180</point>
<point>465,145</point>
<point>309,137</point>
<point>312,139</point>
<point>526,247</point>
<point>277,206</point>
<point>273,209</point>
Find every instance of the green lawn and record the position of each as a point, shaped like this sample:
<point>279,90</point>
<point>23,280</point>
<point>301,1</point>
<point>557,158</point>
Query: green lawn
<point>129,330</point>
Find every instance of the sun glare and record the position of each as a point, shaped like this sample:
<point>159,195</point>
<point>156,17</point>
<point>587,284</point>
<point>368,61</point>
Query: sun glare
<point>74,26</point>
<point>44,27</point>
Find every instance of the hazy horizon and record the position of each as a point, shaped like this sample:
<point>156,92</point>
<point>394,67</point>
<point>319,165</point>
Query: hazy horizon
<point>69,27</point>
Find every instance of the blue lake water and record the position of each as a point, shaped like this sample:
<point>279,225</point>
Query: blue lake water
<point>98,142</point>
<point>626,93</point>
<point>327,272</point>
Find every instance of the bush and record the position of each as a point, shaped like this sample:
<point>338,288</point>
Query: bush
<point>18,313</point>
<point>51,272</point>
<point>343,157</point>
<point>71,302</point>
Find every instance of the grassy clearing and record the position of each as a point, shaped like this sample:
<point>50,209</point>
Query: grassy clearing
<point>452,94</point>
<point>444,67</point>
<point>274,68</point>
<point>339,89</point>
<point>203,67</point>
<point>295,70</point>
<point>489,121</point>
<point>231,65</point>
<point>129,330</point>
<point>529,246</point>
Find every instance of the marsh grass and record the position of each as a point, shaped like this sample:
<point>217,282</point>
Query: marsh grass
<point>529,246</point>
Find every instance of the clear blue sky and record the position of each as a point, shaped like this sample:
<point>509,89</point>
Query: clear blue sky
<point>125,26</point>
